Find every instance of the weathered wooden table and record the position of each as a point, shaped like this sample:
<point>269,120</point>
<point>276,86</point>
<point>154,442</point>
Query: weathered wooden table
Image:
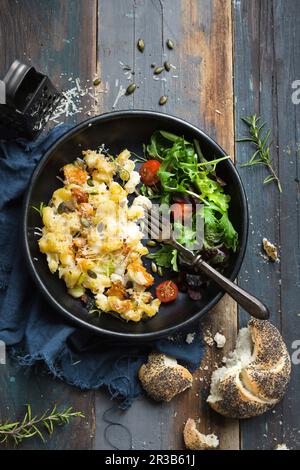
<point>232,59</point>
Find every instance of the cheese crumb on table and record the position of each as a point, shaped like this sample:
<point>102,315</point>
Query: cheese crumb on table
<point>190,338</point>
<point>220,340</point>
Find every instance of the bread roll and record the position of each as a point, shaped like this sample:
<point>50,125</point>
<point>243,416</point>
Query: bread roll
<point>163,378</point>
<point>255,376</point>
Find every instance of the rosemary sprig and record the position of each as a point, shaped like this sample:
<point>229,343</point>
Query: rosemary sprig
<point>32,426</point>
<point>260,137</point>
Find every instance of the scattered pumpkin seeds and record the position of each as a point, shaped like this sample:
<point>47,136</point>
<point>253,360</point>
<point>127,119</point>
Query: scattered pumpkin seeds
<point>130,89</point>
<point>97,81</point>
<point>90,182</point>
<point>158,70</point>
<point>153,267</point>
<point>151,243</point>
<point>163,100</point>
<point>167,66</point>
<point>141,45</point>
<point>91,274</point>
<point>160,271</point>
<point>170,44</point>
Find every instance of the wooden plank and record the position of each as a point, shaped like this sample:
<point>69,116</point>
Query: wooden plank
<point>199,90</point>
<point>57,37</point>
<point>287,37</point>
<point>116,52</point>
<point>204,96</point>
<point>134,19</point>
<point>262,85</point>
<point>254,67</point>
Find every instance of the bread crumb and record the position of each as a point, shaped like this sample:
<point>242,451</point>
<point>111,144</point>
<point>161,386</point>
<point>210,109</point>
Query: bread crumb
<point>281,447</point>
<point>220,340</point>
<point>271,250</point>
<point>190,338</point>
<point>208,338</point>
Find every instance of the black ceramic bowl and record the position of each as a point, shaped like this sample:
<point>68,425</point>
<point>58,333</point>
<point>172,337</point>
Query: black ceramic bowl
<point>119,130</point>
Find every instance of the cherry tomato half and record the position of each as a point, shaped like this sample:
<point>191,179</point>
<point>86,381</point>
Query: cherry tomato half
<point>148,172</point>
<point>182,211</point>
<point>167,291</point>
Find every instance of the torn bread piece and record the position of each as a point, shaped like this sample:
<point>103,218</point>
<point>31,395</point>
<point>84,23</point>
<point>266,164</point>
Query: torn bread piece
<point>220,340</point>
<point>195,440</point>
<point>163,378</point>
<point>271,250</point>
<point>255,375</point>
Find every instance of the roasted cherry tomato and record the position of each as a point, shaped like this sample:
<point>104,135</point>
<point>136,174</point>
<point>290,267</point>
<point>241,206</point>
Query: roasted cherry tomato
<point>148,172</point>
<point>167,291</point>
<point>181,211</point>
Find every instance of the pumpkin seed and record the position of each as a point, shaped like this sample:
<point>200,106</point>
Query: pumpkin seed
<point>97,81</point>
<point>158,70</point>
<point>167,66</point>
<point>160,271</point>
<point>141,45</point>
<point>163,100</point>
<point>91,274</point>
<point>90,182</point>
<point>153,267</point>
<point>170,44</point>
<point>151,243</point>
<point>131,89</point>
<point>66,207</point>
<point>149,191</point>
<point>100,227</point>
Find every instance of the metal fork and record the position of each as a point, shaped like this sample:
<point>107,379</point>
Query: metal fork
<point>157,225</point>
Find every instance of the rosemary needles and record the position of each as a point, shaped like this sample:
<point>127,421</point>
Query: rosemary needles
<point>260,138</point>
<point>32,426</point>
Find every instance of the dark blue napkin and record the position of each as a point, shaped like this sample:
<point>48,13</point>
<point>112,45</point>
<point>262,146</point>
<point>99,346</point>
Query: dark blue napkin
<point>33,331</point>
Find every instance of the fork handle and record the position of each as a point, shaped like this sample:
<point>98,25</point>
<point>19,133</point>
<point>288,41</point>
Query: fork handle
<point>250,303</point>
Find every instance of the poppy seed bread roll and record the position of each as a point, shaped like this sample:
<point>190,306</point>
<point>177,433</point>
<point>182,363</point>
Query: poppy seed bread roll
<point>255,376</point>
<point>163,378</point>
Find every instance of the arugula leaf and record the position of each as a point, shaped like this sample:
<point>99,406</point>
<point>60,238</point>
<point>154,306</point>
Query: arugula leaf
<point>185,235</point>
<point>158,143</point>
<point>229,234</point>
<point>219,231</point>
